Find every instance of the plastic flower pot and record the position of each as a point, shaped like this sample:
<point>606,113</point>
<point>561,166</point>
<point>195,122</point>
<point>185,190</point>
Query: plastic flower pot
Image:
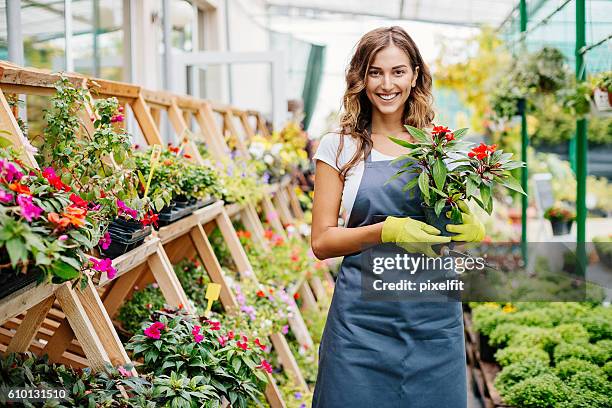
<point>438,221</point>
<point>486,351</point>
<point>11,281</point>
<point>560,227</point>
<point>174,212</point>
<point>604,254</point>
<point>125,236</point>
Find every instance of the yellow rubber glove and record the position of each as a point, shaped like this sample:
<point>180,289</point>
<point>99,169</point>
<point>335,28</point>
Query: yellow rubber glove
<point>471,230</point>
<point>412,235</point>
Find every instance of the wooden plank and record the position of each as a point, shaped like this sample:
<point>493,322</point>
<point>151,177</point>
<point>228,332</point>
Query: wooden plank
<point>82,327</point>
<point>33,80</point>
<point>298,326</point>
<point>184,226</point>
<point>156,114</point>
<point>308,300</point>
<point>272,216</point>
<point>294,201</point>
<point>24,299</point>
<point>130,260</point>
<point>29,326</point>
<point>146,122</point>
<point>233,244</point>
<point>272,393</point>
<point>103,326</point>
<point>104,88</point>
<point>9,124</point>
<point>207,254</point>
<point>210,212</point>
<point>319,290</point>
<point>215,143</point>
<point>166,279</point>
<point>180,248</point>
<point>182,131</point>
<point>161,98</point>
<point>282,208</point>
<point>121,289</point>
<point>288,360</point>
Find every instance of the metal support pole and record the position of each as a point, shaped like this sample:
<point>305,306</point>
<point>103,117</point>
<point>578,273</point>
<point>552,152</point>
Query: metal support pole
<point>13,26</point>
<point>524,146</point>
<point>167,32</point>
<point>96,32</point>
<point>581,140</point>
<point>69,64</point>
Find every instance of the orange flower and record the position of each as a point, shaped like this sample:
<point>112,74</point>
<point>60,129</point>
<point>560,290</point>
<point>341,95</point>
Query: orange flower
<point>268,234</point>
<point>75,215</point>
<point>167,162</point>
<point>56,219</point>
<point>20,188</point>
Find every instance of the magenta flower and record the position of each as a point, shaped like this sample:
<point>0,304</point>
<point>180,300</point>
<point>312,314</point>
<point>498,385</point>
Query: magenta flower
<point>29,211</point>
<point>153,331</point>
<point>6,197</point>
<point>104,265</point>
<point>197,337</point>
<point>285,329</point>
<point>124,372</point>
<point>62,237</point>
<point>105,241</point>
<point>264,365</point>
<point>9,172</point>
<point>124,209</point>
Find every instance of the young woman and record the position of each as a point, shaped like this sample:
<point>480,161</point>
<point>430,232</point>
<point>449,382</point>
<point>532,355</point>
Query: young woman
<point>382,353</point>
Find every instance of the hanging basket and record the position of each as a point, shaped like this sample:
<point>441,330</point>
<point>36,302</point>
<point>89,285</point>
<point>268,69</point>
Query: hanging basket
<point>602,99</point>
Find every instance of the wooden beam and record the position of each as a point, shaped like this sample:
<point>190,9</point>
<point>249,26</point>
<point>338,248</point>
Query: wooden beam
<point>146,122</point>
<point>19,140</point>
<point>29,326</point>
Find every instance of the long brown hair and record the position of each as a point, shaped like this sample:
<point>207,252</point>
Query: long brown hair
<point>418,111</point>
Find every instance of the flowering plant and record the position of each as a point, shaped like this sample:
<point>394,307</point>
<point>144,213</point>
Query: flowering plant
<point>44,226</point>
<point>233,364</point>
<point>562,214</point>
<point>449,171</point>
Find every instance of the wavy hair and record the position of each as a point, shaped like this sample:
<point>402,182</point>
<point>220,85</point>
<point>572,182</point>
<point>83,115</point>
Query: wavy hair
<point>357,115</point>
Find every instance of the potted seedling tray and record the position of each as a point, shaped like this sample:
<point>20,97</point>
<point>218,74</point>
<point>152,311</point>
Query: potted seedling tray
<point>125,236</point>
<point>11,281</point>
<point>174,213</point>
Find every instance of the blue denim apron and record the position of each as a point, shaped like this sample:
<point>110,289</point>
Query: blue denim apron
<point>388,354</point>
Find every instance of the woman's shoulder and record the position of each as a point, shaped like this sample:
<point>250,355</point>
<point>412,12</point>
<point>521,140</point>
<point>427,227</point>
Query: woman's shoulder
<point>335,142</point>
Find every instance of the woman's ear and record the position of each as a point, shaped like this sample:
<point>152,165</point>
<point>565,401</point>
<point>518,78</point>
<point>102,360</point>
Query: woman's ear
<point>416,75</point>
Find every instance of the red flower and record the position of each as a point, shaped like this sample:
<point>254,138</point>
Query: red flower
<point>150,218</point>
<point>173,149</point>
<point>230,335</point>
<point>264,365</point>
<point>187,156</point>
<point>440,129</point>
<point>482,151</point>
<point>258,343</point>
<point>260,293</point>
<point>54,180</point>
<point>269,234</point>
<point>214,325</point>
<point>244,346</point>
<point>449,137</point>
<point>296,296</point>
<point>78,201</point>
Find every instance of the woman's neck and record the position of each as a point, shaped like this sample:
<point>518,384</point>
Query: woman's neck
<point>385,124</point>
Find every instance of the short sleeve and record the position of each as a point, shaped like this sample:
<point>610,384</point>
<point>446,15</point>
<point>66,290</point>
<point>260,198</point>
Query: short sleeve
<point>328,150</point>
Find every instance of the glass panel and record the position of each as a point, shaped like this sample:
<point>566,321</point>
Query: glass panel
<point>42,25</point>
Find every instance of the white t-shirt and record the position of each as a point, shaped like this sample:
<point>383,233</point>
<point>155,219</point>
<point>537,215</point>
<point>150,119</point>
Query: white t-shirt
<point>326,152</point>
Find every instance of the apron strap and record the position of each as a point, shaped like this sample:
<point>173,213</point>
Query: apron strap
<point>369,132</point>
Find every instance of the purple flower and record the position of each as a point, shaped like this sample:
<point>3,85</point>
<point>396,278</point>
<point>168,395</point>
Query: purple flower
<point>285,329</point>
<point>29,210</point>
<point>266,177</point>
<point>104,265</point>
<point>6,197</point>
<point>298,395</point>
<point>105,241</point>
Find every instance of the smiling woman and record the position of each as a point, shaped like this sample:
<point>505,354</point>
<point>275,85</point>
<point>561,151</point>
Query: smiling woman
<point>411,352</point>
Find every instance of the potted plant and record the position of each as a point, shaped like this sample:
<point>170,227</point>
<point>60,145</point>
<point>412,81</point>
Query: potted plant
<point>603,246</point>
<point>45,228</point>
<point>576,100</point>
<point>447,171</point>
<point>561,219</point>
<point>602,93</point>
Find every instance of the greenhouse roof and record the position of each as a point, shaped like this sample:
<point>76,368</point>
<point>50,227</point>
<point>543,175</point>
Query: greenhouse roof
<point>455,12</point>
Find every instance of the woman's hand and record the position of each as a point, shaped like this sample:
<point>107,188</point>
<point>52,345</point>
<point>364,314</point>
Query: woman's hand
<point>471,230</point>
<point>412,235</point>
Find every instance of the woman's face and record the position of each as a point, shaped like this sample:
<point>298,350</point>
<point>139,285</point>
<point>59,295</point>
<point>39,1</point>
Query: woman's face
<point>390,79</point>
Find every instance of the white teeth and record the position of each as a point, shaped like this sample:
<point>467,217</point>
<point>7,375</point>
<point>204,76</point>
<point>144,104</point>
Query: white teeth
<point>388,97</point>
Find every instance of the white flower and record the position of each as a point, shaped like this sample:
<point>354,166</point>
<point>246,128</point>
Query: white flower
<point>268,159</point>
<point>257,149</point>
<point>276,148</point>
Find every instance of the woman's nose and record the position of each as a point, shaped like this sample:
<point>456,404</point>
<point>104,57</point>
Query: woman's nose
<point>387,83</point>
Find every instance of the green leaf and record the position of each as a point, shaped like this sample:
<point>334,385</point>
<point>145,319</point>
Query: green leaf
<point>402,142</point>
<point>4,142</point>
<point>418,134</point>
<point>439,173</point>
<point>236,363</point>
<point>511,183</point>
<point>424,184</point>
<point>410,185</point>
<point>487,200</point>
<point>439,206</point>
<point>395,176</point>
<point>16,250</point>
<point>75,263</point>
<point>64,271</point>
<point>470,188</point>
<point>459,133</point>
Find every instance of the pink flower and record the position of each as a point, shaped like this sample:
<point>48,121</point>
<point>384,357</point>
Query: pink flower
<point>9,172</point>
<point>62,237</point>
<point>104,265</point>
<point>153,331</point>
<point>272,215</point>
<point>258,343</point>
<point>29,211</point>
<point>264,365</point>
<point>124,372</point>
<point>214,325</point>
<point>285,329</point>
<point>222,340</point>
<point>230,335</point>
<point>197,337</point>
<point>124,209</point>
<point>105,241</point>
<point>6,197</point>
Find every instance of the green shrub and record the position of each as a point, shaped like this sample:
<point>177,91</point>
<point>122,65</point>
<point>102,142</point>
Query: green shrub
<point>594,381</point>
<point>607,368</point>
<point>598,323</point>
<point>606,349</point>
<point>139,307</point>
<point>502,334</point>
<point>572,333</point>
<point>589,352</point>
<point>542,338</point>
<point>543,391</point>
<point>519,371</point>
<point>586,399</point>
<point>487,317</point>
<point>537,317</point>
<point>515,354</point>
<point>566,369</point>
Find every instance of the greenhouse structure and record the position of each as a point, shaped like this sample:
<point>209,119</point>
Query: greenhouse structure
<point>291,203</point>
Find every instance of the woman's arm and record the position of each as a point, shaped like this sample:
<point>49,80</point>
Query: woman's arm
<point>327,239</point>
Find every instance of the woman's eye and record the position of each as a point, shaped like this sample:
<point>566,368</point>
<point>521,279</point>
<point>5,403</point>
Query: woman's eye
<point>374,73</point>
<point>400,72</point>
